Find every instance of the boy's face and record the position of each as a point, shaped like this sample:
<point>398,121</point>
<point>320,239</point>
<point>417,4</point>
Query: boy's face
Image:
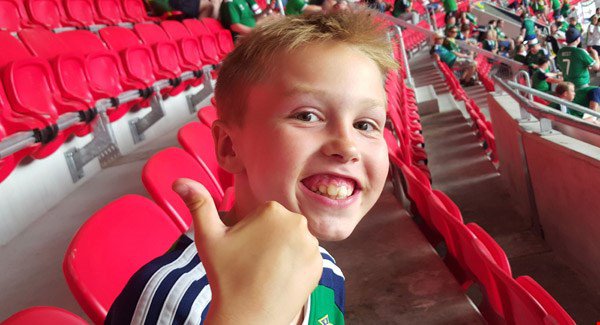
<point>312,138</point>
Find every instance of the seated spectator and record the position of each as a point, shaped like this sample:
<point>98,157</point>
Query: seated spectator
<point>504,43</point>
<point>588,97</point>
<point>489,43</point>
<point>454,58</point>
<point>379,5</point>
<point>470,16</point>
<point>240,16</point>
<point>542,78</point>
<point>403,9</point>
<point>593,34</point>
<point>450,23</point>
<point>465,35</point>
<point>539,10</point>
<point>298,7</point>
<point>573,23</point>
<point>189,8</point>
<point>520,53</point>
<point>535,54</point>
<point>575,62</point>
<point>528,29</point>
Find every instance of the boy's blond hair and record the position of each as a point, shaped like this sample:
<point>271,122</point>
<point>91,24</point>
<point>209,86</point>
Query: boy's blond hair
<point>256,54</point>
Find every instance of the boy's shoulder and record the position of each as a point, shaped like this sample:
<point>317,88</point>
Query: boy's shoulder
<point>174,287</point>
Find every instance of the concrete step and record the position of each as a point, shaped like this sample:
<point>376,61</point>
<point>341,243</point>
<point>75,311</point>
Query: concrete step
<point>427,100</point>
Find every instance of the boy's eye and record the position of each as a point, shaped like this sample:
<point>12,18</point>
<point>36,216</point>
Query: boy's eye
<point>307,117</point>
<point>365,126</point>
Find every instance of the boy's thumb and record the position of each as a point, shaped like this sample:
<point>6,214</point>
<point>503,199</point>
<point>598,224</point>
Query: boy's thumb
<point>205,216</point>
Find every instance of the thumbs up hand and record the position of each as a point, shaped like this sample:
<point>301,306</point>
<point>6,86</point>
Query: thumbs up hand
<point>263,269</point>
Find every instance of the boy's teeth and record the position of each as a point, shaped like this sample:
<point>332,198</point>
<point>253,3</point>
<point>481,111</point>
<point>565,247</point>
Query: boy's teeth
<point>332,190</point>
<point>323,189</point>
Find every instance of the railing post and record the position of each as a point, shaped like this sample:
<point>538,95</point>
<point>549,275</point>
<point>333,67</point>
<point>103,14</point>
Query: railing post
<point>525,75</point>
<point>409,78</point>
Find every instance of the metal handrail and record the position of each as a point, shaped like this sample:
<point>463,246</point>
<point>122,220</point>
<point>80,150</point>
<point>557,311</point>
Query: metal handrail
<point>398,32</point>
<point>554,99</point>
<point>515,65</point>
<point>544,113</point>
<point>525,75</point>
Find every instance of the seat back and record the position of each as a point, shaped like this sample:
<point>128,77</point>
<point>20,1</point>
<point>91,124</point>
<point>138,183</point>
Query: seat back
<point>166,52</point>
<point>496,252</point>
<point>197,140</point>
<point>189,46</point>
<point>103,66</point>
<point>519,306</point>
<point>150,33</point>
<point>552,307</point>
<point>69,69</point>
<point>44,315</point>
<point>136,58</point>
<point>12,14</point>
<point>161,171</point>
<point>111,246</point>
<point>175,29</point>
<point>211,24</point>
<point>196,27</point>
<point>135,10</point>
<point>46,13</point>
<point>81,11</point>
<point>109,10</point>
<point>207,115</point>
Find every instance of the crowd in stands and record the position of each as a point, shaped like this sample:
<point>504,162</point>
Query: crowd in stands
<point>560,56</point>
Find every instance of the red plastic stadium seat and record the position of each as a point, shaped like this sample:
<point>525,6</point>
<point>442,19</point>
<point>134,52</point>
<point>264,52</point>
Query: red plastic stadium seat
<point>197,140</point>
<point>107,78</point>
<point>11,123</point>
<point>69,69</point>
<point>166,52</point>
<point>49,14</point>
<point>163,169</point>
<point>110,11</point>
<point>13,16</point>
<point>207,115</point>
<point>208,42</point>
<point>44,315</point>
<point>135,11</point>
<point>224,38</point>
<point>110,246</point>
<point>82,13</point>
<point>552,307</point>
<point>189,47</point>
<point>31,90</point>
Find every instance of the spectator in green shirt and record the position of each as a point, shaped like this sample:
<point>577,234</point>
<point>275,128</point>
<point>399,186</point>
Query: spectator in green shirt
<point>297,7</point>
<point>403,9</point>
<point>588,97</point>
<point>565,9</point>
<point>450,7</point>
<point>528,29</point>
<point>556,9</point>
<point>520,53</point>
<point>535,54</point>
<point>541,78</point>
<point>240,15</point>
<point>455,59</point>
<point>575,62</point>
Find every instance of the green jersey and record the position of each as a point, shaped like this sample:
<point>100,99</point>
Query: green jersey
<point>583,97</point>
<point>565,10</point>
<point>450,5</point>
<point>538,6</point>
<point>529,26</point>
<point>533,59</point>
<point>450,44</point>
<point>574,63</point>
<point>519,58</point>
<point>237,12</point>
<point>564,26</point>
<point>555,4</point>
<point>295,7</point>
<point>538,80</point>
<point>499,33</point>
<point>400,7</point>
<point>446,55</point>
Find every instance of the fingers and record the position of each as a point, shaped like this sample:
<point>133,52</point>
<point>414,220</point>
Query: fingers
<point>207,223</point>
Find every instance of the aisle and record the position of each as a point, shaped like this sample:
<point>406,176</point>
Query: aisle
<point>460,168</point>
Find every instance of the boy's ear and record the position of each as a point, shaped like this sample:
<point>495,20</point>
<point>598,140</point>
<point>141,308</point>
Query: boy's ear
<point>228,159</point>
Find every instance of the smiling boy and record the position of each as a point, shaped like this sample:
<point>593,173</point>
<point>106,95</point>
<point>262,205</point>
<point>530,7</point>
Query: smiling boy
<point>302,108</point>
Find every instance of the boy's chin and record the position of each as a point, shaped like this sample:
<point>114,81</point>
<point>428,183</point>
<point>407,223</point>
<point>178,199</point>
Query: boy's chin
<point>331,233</point>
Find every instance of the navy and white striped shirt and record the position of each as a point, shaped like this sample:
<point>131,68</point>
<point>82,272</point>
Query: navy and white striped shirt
<point>174,289</point>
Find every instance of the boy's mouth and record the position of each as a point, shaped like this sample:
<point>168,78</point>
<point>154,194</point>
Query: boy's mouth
<point>331,186</point>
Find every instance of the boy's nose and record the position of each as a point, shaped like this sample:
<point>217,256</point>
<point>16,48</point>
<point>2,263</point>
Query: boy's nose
<point>342,148</point>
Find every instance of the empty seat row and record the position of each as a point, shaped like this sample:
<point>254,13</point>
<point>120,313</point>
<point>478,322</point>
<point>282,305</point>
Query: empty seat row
<point>46,75</point>
<point>16,15</point>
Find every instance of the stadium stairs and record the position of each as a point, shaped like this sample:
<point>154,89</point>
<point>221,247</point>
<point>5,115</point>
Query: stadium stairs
<point>461,168</point>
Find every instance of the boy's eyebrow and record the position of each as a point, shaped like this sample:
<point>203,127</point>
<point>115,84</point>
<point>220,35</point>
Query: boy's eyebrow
<point>301,89</point>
